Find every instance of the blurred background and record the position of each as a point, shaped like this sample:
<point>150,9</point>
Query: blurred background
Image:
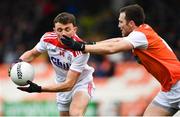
<point>123,88</point>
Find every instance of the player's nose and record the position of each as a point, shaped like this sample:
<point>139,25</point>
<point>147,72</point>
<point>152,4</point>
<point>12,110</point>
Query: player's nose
<point>63,32</point>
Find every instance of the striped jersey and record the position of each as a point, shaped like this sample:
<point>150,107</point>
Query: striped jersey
<point>63,58</point>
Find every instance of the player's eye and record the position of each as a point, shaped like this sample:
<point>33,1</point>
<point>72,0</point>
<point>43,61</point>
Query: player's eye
<point>67,29</point>
<point>59,30</point>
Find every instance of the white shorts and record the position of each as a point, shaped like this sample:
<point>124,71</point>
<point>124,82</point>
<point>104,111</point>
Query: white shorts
<point>64,98</point>
<point>169,100</point>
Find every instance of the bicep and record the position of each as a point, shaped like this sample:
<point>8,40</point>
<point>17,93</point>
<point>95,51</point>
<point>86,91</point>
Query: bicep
<point>35,52</point>
<point>122,45</point>
<point>29,55</point>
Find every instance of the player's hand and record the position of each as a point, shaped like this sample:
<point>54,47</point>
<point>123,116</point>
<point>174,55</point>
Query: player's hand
<point>32,87</point>
<point>16,61</point>
<point>79,46</point>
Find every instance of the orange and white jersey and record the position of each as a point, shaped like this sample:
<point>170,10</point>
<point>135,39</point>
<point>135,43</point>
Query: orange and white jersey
<point>156,56</point>
<point>63,58</point>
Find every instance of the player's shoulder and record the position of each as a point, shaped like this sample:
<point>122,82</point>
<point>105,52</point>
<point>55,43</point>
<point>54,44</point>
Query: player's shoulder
<point>50,35</point>
<point>145,28</point>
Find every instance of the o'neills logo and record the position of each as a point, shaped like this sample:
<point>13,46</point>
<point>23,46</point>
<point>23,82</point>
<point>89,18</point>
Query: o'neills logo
<point>19,73</point>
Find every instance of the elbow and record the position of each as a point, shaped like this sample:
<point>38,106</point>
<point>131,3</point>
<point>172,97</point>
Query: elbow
<point>68,85</point>
<point>111,51</point>
<point>69,88</point>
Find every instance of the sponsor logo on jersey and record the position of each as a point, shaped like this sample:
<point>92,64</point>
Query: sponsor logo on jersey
<point>60,64</point>
<point>52,50</point>
<point>69,57</point>
<point>61,53</point>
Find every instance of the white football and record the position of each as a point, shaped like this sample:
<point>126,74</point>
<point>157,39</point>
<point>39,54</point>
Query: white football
<point>21,72</point>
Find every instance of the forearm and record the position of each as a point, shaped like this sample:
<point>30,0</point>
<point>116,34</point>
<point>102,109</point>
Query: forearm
<point>99,49</point>
<point>103,47</point>
<point>60,87</point>
<point>110,40</point>
<point>67,85</point>
<point>109,47</point>
<point>28,56</point>
<point>33,87</point>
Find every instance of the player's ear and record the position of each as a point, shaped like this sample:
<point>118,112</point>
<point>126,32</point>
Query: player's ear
<point>131,23</point>
<point>54,28</point>
<point>75,28</point>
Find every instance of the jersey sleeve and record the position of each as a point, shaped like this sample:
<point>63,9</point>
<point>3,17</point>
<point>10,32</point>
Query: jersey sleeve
<point>79,63</point>
<point>137,39</point>
<point>41,45</point>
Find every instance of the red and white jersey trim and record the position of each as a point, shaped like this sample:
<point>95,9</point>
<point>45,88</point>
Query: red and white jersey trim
<point>52,38</point>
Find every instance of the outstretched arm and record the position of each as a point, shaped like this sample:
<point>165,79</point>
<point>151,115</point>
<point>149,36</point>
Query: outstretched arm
<point>110,40</point>
<point>109,46</point>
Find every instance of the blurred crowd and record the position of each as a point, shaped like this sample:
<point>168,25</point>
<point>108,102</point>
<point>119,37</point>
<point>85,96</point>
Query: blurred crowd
<point>23,22</point>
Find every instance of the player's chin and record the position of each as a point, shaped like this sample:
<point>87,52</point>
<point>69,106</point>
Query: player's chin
<point>123,34</point>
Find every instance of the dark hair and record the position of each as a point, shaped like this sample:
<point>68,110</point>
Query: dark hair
<point>135,13</point>
<point>65,18</point>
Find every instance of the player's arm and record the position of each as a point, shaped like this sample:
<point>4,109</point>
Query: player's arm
<point>110,40</point>
<point>109,46</point>
<point>67,85</point>
<point>29,55</point>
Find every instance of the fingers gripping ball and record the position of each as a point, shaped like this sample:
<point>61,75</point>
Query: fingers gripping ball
<point>21,72</point>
